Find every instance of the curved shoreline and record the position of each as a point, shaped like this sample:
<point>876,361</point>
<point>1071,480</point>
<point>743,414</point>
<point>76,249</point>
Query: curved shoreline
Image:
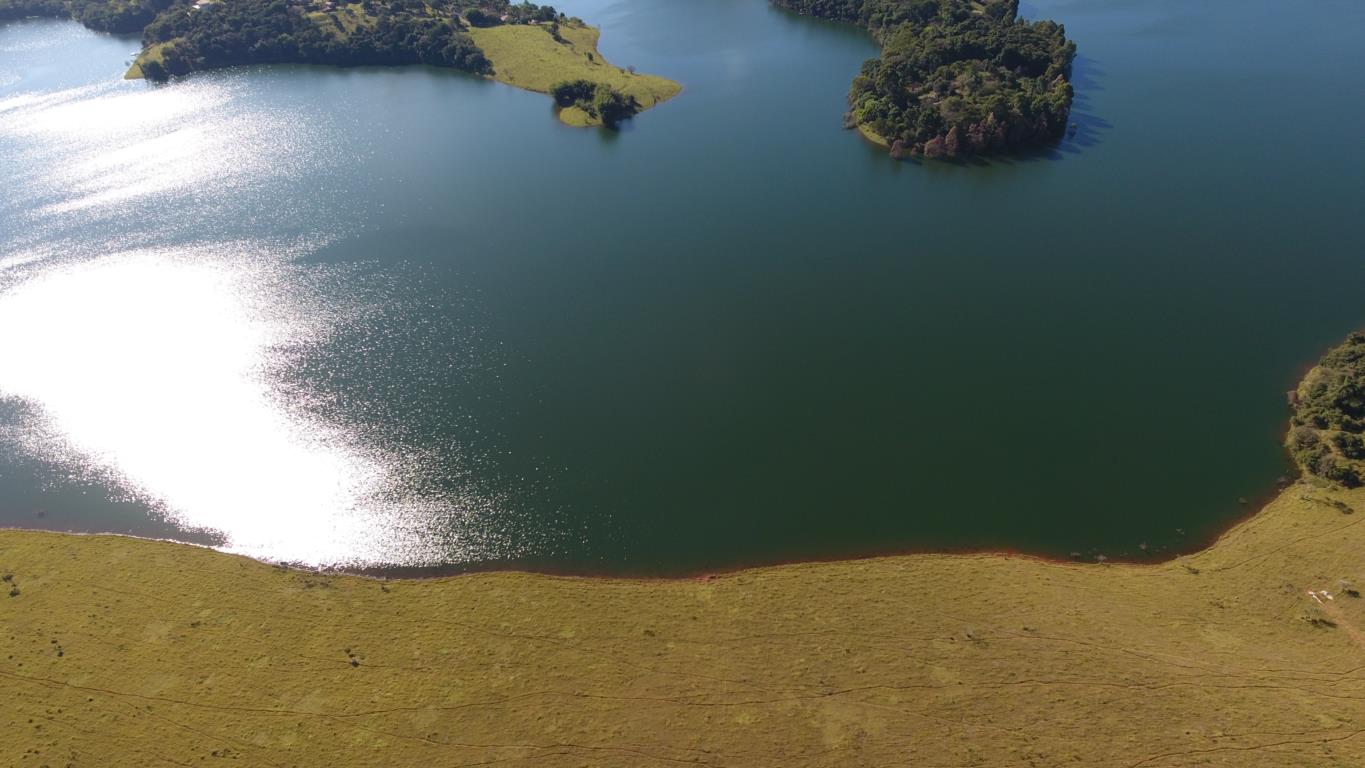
<point>436,573</point>
<point>534,54</point>
<point>1253,508</point>
<point>1246,653</point>
<point>1006,660</point>
<point>531,58</point>
<point>457,570</point>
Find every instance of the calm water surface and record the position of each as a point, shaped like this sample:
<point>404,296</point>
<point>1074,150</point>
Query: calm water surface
<point>403,317</point>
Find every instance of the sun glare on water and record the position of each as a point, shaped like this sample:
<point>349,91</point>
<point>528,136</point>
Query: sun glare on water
<point>153,367</point>
<point>147,358</point>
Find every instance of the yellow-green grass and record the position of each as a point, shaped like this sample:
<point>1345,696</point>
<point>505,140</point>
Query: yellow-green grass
<point>527,56</point>
<point>873,136</point>
<point>154,53</point>
<point>577,117</point>
<point>124,652</point>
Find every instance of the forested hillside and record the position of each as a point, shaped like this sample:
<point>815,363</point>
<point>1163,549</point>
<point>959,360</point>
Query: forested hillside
<point>181,36</point>
<point>956,77</point>
<point>220,34</point>
<point>100,15</point>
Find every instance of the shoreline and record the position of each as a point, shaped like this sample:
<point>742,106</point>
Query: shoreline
<point>1245,653</point>
<point>975,659</point>
<point>437,573</point>
<point>871,136</point>
<point>533,55</point>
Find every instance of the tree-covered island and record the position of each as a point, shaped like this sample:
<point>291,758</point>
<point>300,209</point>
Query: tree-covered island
<point>527,45</point>
<point>955,77</point>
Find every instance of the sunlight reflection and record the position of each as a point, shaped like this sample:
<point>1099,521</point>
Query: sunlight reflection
<point>102,147</point>
<point>148,353</point>
<point>152,367</point>
<point>73,113</point>
<point>180,159</point>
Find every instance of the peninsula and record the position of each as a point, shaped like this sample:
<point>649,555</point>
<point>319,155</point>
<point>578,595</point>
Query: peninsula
<point>529,46</point>
<point>956,77</point>
<point>126,652</point>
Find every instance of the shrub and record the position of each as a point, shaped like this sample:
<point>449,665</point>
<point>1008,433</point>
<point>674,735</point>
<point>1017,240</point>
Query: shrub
<point>612,106</point>
<point>152,70</point>
<point>1325,437</point>
<point>478,17</point>
<point>571,92</point>
<point>601,101</point>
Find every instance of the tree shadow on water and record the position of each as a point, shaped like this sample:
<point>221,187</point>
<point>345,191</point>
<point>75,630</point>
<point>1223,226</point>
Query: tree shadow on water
<point>1086,75</point>
<point>1086,128</point>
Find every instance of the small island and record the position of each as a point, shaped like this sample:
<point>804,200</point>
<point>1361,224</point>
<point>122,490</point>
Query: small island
<point>956,77</point>
<point>526,45</point>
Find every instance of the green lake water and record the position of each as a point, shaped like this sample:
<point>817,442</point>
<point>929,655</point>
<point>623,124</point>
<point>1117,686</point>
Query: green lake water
<point>403,317</point>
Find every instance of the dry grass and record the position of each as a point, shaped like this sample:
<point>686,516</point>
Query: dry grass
<point>121,652</point>
<point>873,136</point>
<point>528,57</point>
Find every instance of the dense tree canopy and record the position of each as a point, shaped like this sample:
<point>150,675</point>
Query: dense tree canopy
<point>1329,416</point>
<point>956,77</point>
<point>187,36</point>
<point>275,31</point>
<point>600,101</point>
<point>125,16</point>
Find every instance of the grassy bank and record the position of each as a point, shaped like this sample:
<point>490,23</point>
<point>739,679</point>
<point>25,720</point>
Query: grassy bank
<point>121,652</point>
<point>528,56</point>
<point>152,54</point>
<point>874,137</point>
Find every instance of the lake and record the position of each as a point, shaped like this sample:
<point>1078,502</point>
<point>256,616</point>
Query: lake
<point>403,317</point>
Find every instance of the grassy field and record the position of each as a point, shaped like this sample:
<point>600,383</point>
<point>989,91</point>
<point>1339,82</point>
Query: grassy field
<point>527,56</point>
<point>122,652</point>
